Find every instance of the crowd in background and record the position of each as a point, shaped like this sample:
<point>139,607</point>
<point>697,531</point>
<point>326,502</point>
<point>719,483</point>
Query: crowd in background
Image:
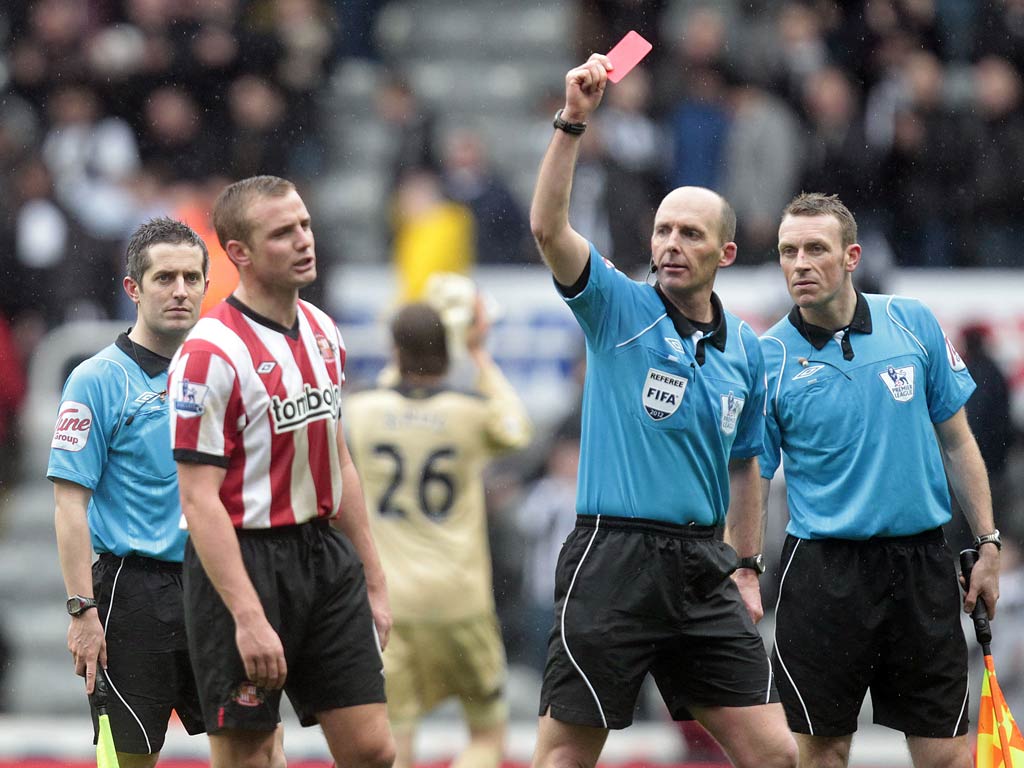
<point>113,111</point>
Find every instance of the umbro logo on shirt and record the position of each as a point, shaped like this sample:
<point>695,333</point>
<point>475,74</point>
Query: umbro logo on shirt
<point>808,371</point>
<point>265,368</point>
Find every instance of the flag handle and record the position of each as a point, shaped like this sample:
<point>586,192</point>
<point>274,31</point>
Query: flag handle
<point>982,627</point>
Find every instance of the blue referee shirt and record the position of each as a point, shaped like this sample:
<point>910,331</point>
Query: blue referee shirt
<point>113,437</point>
<point>665,406</point>
<point>853,414</point>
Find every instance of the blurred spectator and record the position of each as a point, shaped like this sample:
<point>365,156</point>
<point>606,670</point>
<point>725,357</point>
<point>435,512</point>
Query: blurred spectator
<point>634,155</point>
<point>838,159</point>
<point>261,135</point>
<point>195,208</point>
<point>90,157</point>
<point>600,24</point>
<point>176,143</point>
<point>924,168</point>
<point>432,234</point>
<point>544,519</point>
<point>12,393</point>
<point>502,230</point>
<point>411,124</point>
<point>762,160</point>
<point>988,413</point>
<point>699,119</point>
<point>998,174</point>
<point>589,206</point>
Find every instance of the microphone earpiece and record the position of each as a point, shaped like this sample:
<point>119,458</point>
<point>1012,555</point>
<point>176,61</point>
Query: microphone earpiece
<point>654,267</point>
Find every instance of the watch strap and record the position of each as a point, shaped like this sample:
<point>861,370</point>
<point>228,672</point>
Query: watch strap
<point>753,562</point>
<point>989,538</point>
<point>574,129</point>
<point>77,604</point>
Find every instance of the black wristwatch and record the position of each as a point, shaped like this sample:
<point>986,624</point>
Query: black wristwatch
<point>573,129</point>
<point>77,605</point>
<point>989,538</point>
<point>753,562</point>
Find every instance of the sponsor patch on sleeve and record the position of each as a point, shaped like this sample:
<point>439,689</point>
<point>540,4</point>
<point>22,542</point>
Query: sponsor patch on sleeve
<point>188,400</point>
<point>955,361</point>
<point>74,422</point>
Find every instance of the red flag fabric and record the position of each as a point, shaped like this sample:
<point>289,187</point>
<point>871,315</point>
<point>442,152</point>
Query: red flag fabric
<point>1000,743</point>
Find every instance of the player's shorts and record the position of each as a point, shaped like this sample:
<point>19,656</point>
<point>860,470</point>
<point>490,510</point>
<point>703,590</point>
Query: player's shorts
<point>141,607</point>
<point>428,662</point>
<point>312,588</point>
<point>637,596</point>
<point>881,614</point>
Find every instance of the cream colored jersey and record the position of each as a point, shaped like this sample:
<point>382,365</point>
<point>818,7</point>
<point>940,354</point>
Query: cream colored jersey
<point>421,456</point>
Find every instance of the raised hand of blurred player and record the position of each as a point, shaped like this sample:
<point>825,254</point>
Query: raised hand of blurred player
<point>476,334</point>
<point>584,88</point>
<point>261,651</point>
<point>87,646</point>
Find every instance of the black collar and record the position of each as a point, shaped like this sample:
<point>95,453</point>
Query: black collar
<point>148,361</point>
<point>255,316</point>
<point>819,336</point>
<point>685,327</point>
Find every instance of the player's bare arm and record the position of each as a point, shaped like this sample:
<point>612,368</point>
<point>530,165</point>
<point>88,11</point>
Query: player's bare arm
<point>216,543</point>
<point>564,250</point>
<point>969,479</point>
<point>744,527</point>
<point>353,521</point>
<point>74,547</point>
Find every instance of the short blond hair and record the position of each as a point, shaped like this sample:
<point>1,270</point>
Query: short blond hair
<point>819,204</point>
<point>231,210</point>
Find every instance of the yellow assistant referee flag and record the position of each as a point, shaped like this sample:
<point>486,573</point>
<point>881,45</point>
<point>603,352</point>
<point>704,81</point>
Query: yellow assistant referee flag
<point>106,755</point>
<point>1000,744</point>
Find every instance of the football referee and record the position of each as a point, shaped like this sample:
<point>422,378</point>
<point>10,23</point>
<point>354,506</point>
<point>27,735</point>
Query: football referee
<point>866,402</point>
<point>672,423</point>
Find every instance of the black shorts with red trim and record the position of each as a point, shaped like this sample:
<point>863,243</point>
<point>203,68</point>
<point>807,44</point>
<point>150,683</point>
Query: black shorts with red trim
<point>141,606</point>
<point>881,615</point>
<point>638,596</point>
<point>312,588</point>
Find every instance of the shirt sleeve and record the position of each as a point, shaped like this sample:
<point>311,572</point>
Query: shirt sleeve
<point>750,430</point>
<point>601,304</point>
<point>206,407</point>
<point>950,385</point>
<point>771,453</point>
<point>87,417</point>
<point>507,424</point>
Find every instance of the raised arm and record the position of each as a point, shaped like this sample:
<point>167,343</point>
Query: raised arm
<point>564,250</point>
<point>969,479</point>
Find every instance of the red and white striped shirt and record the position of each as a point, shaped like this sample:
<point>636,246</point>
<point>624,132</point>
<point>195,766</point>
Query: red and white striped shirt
<point>264,402</point>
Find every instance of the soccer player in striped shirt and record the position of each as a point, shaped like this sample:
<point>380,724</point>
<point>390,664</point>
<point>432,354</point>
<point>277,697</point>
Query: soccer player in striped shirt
<point>283,586</point>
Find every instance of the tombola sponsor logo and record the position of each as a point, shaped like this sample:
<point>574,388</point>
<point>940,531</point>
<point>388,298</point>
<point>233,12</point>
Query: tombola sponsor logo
<point>312,404</point>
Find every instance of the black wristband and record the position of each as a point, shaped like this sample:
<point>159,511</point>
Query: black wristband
<point>574,129</point>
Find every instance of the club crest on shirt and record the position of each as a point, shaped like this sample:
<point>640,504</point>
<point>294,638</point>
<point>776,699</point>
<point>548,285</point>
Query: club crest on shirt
<point>74,423</point>
<point>955,361</point>
<point>326,348</point>
<point>248,695</point>
<point>732,407</point>
<point>663,393</point>
<point>900,382</point>
<point>188,401</point>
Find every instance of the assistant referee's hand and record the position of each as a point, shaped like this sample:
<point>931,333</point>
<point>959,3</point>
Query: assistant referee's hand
<point>984,581</point>
<point>87,646</point>
<point>750,590</point>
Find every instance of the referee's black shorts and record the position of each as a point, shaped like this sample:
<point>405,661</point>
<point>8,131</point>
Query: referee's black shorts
<point>141,607</point>
<point>637,596</point>
<point>311,584</point>
<point>881,615</point>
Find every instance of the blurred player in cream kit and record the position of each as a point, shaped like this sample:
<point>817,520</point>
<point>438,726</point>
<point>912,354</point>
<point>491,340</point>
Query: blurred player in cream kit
<point>116,494</point>
<point>672,424</point>
<point>283,585</point>
<point>421,448</point>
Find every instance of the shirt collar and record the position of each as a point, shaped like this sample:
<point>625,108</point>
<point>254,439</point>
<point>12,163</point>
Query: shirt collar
<point>148,361</point>
<point>718,334</point>
<point>819,336</point>
<point>252,314</point>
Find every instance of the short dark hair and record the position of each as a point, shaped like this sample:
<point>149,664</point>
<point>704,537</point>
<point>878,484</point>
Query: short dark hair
<point>155,232</point>
<point>819,204</point>
<point>420,340</point>
<point>230,214</point>
<point>726,223</point>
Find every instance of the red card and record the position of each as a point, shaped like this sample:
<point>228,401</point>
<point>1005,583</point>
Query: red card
<point>627,53</point>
